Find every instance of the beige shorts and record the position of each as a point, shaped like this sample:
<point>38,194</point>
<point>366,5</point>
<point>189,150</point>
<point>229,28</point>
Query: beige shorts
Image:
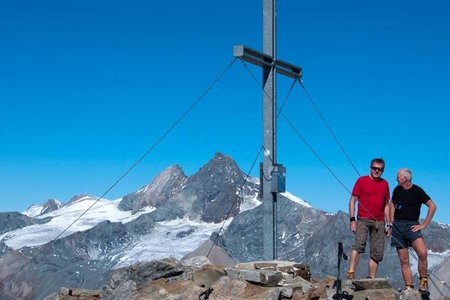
<point>375,231</point>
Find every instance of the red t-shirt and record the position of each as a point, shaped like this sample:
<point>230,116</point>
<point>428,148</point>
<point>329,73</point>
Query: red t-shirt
<point>372,197</point>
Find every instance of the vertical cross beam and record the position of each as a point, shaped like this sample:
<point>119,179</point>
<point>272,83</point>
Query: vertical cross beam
<point>269,130</point>
<point>271,66</point>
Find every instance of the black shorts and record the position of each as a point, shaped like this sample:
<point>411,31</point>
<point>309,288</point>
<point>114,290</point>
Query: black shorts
<point>402,235</point>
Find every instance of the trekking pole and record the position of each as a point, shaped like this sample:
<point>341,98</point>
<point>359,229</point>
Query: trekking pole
<point>338,283</point>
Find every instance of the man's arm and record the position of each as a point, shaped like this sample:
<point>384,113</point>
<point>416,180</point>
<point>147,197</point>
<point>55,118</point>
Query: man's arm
<point>431,210</point>
<point>387,213</point>
<point>351,212</point>
<point>388,218</point>
<point>391,212</point>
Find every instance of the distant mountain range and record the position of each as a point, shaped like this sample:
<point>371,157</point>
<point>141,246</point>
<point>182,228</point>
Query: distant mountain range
<point>172,217</point>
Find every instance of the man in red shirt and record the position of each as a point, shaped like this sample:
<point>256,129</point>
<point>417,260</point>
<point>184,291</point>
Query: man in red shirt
<point>372,194</point>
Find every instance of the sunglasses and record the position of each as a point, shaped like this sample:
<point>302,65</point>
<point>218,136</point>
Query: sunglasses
<point>377,169</point>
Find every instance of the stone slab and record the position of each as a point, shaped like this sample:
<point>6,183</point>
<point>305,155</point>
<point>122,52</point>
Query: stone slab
<point>264,277</point>
<point>371,284</point>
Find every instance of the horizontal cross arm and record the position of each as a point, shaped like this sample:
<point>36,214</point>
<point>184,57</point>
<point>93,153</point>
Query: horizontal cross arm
<point>264,60</point>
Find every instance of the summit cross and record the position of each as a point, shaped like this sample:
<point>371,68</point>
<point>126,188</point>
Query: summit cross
<point>270,169</point>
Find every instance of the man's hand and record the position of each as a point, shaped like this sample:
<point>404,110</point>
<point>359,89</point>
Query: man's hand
<point>418,227</point>
<point>353,226</point>
<point>388,230</point>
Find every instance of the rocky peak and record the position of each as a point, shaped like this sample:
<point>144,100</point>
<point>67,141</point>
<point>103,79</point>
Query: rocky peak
<point>77,198</point>
<point>213,193</point>
<point>168,175</point>
<point>221,167</point>
<point>51,205</point>
<point>167,184</point>
<point>37,210</point>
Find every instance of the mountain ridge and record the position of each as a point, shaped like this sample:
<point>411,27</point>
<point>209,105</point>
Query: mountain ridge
<point>190,211</point>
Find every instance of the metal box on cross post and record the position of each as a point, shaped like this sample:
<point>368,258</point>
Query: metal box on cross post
<point>278,179</point>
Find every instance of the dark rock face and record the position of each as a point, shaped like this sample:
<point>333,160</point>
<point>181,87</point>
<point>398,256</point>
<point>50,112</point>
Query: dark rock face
<point>212,193</point>
<point>243,237</point>
<point>144,224</point>
<point>13,220</point>
<point>296,224</point>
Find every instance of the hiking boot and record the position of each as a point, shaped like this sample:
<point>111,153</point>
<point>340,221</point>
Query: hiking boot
<point>350,275</point>
<point>423,285</point>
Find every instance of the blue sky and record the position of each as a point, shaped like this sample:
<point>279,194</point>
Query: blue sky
<point>87,86</point>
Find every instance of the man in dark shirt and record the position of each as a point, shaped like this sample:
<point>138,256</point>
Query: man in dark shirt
<point>407,199</point>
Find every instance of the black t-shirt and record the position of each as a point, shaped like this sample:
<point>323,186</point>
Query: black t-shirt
<point>407,203</point>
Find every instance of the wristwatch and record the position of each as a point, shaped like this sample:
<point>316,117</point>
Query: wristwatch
<point>352,219</point>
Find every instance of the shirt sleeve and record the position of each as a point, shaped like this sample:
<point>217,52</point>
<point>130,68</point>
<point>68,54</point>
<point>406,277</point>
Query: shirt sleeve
<point>394,195</point>
<point>357,188</point>
<point>423,197</point>
<point>388,195</point>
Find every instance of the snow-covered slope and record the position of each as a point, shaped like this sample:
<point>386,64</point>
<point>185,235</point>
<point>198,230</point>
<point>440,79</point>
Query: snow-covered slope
<point>89,211</point>
<point>174,238</point>
<point>170,238</point>
<point>296,199</point>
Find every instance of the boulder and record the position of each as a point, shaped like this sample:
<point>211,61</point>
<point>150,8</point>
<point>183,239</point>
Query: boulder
<point>385,294</point>
<point>145,272</point>
<point>196,261</point>
<point>207,276</point>
<point>371,284</point>
<point>263,277</point>
<point>232,288</point>
<point>410,294</point>
<point>216,255</point>
<point>300,284</point>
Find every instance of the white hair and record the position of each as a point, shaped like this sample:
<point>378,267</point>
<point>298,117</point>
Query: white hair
<point>406,172</point>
